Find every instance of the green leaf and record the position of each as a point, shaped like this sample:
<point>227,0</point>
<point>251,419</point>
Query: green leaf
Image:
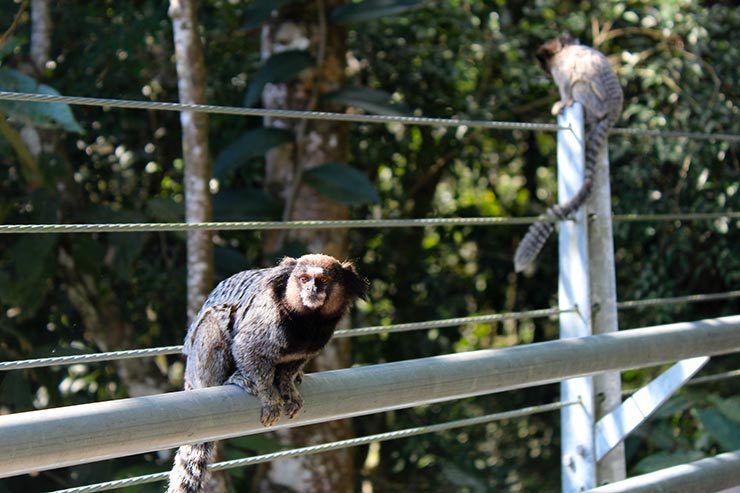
<point>251,204</point>
<point>661,460</point>
<point>279,68</point>
<point>251,144</point>
<point>257,444</point>
<point>128,247</point>
<point>260,10</point>
<point>15,392</point>
<point>6,287</point>
<point>371,100</point>
<point>730,406</point>
<point>227,261</point>
<point>166,210</point>
<point>723,430</point>
<point>676,404</point>
<point>371,9</point>
<point>88,255</point>
<point>9,46</point>
<point>341,183</point>
<point>46,115</point>
<point>33,261</point>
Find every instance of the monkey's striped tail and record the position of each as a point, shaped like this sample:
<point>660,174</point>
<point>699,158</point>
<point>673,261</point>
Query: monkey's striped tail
<point>535,239</point>
<point>538,233</point>
<point>190,471</point>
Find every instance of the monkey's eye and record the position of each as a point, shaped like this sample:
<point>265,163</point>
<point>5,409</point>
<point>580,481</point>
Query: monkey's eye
<point>322,280</point>
<point>305,278</point>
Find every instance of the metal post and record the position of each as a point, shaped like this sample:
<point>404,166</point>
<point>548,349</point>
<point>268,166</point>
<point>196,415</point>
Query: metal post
<point>576,422</point>
<point>607,386</point>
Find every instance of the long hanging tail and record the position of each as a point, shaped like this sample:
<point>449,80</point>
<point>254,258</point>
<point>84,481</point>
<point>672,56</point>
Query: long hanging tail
<point>538,233</point>
<point>190,471</point>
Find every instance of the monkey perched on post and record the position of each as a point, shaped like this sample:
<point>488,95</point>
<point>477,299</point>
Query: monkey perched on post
<point>582,75</point>
<point>256,330</point>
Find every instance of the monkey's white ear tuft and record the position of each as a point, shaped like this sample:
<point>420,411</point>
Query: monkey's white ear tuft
<point>287,261</point>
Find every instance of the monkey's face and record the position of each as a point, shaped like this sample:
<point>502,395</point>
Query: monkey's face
<point>313,286</point>
<point>552,47</point>
<point>321,284</point>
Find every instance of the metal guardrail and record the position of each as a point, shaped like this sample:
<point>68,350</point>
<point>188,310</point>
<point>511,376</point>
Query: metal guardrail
<point>703,476</point>
<point>51,438</point>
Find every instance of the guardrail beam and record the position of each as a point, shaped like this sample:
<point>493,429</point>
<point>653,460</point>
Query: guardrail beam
<point>39,440</point>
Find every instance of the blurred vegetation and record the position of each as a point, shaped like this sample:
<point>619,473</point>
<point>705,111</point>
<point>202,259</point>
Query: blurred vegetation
<point>465,59</point>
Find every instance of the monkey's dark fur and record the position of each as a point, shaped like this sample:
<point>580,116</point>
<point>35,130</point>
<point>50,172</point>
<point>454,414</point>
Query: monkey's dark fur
<point>582,75</point>
<point>256,330</point>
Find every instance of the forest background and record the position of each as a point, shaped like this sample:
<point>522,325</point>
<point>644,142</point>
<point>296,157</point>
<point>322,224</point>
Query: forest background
<point>78,293</point>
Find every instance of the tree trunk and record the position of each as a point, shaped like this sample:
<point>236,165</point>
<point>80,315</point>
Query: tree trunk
<point>40,33</point>
<point>195,153</point>
<point>191,84</point>
<point>303,26</point>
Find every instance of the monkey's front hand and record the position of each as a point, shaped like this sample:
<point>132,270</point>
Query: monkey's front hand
<point>271,402</point>
<point>292,403</point>
<point>558,107</point>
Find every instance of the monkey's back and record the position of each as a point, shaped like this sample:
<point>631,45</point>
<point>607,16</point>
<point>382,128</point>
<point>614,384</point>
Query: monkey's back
<point>238,291</point>
<point>601,96</point>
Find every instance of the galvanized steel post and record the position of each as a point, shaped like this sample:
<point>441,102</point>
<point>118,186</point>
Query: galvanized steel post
<point>608,386</point>
<point>576,422</point>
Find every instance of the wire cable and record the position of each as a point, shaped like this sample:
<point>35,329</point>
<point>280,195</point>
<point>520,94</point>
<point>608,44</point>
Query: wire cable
<point>355,118</point>
<point>361,331</point>
<point>264,225</point>
<point>325,447</point>
<point>275,113</point>
<point>717,377</point>
<point>714,378</point>
<point>340,224</point>
<point>364,331</point>
<point>694,298</point>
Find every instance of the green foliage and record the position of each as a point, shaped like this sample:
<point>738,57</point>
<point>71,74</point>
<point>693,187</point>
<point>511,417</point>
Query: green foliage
<point>663,460</point>
<point>371,100</point>
<point>342,183</point>
<point>253,143</point>
<point>281,67</point>
<point>677,62</point>
<point>245,205</point>
<point>44,115</point>
<point>260,10</point>
<point>371,9</point>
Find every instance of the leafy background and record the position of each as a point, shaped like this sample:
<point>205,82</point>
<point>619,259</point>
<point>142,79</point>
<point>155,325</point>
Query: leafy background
<point>464,59</point>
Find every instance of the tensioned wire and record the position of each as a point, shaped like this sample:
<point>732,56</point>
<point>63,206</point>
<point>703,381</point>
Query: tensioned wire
<point>276,113</point>
<point>340,224</point>
<point>355,118</point>
<point>717,377</point>
<point>325,447</point>
<point>363,331</point>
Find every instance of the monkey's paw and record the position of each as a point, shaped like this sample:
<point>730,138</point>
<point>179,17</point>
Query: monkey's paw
<point>558,107</point>
<point>292,405</point>
<point>243,382</point>
<point>270,414</point>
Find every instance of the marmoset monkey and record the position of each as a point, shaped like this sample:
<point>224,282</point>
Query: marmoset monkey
<point>256,330</point>
<point>582,75</point>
